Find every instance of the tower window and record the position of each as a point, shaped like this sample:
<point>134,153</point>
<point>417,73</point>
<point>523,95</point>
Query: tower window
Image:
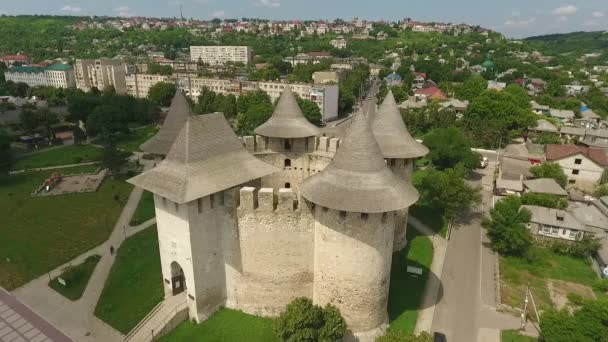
<point>212,200</point>
<point>342,215</point>
<point>287,144</point>
<point>287,185</point>
<point>364,216</point>
<point>199,203</point>
<point>287,163</point>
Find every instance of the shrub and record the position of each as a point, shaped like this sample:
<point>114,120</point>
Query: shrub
<point>575,299</point>
<point>544,200</point>
<point>78,160</point>
<point>304,321</point>
<point>582,248</point>
<point>601,285</point>
<point>400,336</point>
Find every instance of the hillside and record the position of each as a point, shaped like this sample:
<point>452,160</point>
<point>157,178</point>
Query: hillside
<point>572,43</point>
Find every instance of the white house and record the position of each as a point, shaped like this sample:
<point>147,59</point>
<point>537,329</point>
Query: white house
<point>584,166</point>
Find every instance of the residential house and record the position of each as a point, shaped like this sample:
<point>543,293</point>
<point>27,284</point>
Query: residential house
<point>562,115</point>
<point>419,79</point>
<point>544,186</point>
<point>325,77</point>
<point>413,103</point>
<point>509,184</point>
<point>430,93</point>
<point>575,90</point>
<point>543,126</point>
<point>572,134</point>
<point>595,138</point>
<point>455,106</point>
<point>496,85</point>
<point>584,166</point>
<point>590,115</point>
<point>393,79</point>
<point>338,43</point>
<point>555,223</point>
<point>539,109</point>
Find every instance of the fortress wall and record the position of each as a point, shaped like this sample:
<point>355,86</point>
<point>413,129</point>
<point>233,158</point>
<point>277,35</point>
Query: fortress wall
<point>404,169</point>
<point>352,265</point>
<point>272,260</point>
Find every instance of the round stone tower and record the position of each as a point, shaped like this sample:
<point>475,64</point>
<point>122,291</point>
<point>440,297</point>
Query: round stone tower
<point>400,150</point>
<point>283,141</point>
<point>354,202</point>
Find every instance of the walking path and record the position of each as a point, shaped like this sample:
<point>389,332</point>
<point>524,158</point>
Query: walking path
<point>171,309</point>
<point>52,167</point>
<point>76,318</point>
<point>431,292</point>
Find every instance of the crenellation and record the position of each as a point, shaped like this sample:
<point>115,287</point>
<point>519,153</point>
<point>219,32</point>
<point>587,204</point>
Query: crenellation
<point>323,143</point>
<point>266,199</point>
<point>249,142</point>
<point>287,200</point>
<point>260,143</point>
<point>334,143</point>
<point>248,198</point>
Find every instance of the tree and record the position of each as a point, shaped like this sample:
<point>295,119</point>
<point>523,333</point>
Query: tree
<point>5,152</point>
<point>447,191</point>
<point>550,170</point>
<point>507,227</point>
<point>399,94</point>
<point>162,93</point>
<point>587,324</point>
<point>106,120</point>
<point>310,110</point>
<point>256,115</point>
<point>303,321</point>
<point>29,121</point>
<point>400,336</point>
<point>471,88</point>
<point>544,200</point>
<point>79,135</point>
<point>47,119</point>
<point>448,147</point>
<point>113,158</point>
<point>206,101</point>
<point>546,138</point>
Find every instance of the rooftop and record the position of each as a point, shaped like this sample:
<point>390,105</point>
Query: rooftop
<point>545,186</point>
<point>174,121</point>
<point>598,155</point>
<point>549,217</point>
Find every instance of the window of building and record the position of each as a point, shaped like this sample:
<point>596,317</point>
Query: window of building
<point>554,231</point>
<point>575,172</point>
<point>571,181</point>
<point>578,161</point>
<point>573,234</point>
<point>287,144</point>
<point>199,203</point>
<point>287,163</point>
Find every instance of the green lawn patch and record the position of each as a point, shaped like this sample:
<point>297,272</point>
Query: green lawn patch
<point>514,336</point>
<point>137,137</point>
<point>225,325</point>
<point>516,273</point>
<point>432,217</point>
<point>145,209</point>
<point>66,155</point>
<point>406,291</point>
<point>76,278</point>
<point>135,285</point>
<point>42,233</point>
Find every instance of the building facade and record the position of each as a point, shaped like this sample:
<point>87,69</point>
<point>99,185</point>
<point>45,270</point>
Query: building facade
<point>101,74</point>
<point>219,55</point>
<point>56,75</point>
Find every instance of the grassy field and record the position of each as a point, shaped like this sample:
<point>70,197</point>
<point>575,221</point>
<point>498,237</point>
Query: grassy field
<point>514,336</point>
<point>225,325</point>
<point>516,273</point>
<point>137,137</point>
<point>135,283</point>
<point>41,233</point>
<point>145,209</point>
<point>72,154</point>
<point>76,278</point>
<point>406,290</point>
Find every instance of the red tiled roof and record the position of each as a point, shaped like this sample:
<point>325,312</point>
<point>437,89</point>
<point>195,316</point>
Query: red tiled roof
<point>598,155</point>
<point>433,92</point>
<point>421,74</point>
<point>14,58</point>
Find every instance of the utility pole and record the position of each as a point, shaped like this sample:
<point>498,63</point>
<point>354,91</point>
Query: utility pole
<point>524,314</point>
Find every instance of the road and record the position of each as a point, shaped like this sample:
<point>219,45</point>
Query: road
<point>466,311</point>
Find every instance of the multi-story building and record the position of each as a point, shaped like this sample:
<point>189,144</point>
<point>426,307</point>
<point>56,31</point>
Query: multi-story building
<point>138,85</point>
<point>12,59</point>
<point>56,75</point>
<point>101,73</point>
<point>219,55</point>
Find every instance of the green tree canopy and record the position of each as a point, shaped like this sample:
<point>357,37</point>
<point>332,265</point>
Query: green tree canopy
<point>550,170</point>
<point>544,200</point>
<point>162,93</point>
<point>393,335</point>
<point>589,323</point>
<point>310,110</point>
<point>471,88</point>
<point>302,321</point>
<point>448,147</point>
<point>507,227</point>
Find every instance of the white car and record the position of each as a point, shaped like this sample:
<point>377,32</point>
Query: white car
<point>484,162</point>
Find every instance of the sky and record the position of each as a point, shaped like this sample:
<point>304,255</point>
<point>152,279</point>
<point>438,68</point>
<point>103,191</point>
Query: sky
<point>514,18</point>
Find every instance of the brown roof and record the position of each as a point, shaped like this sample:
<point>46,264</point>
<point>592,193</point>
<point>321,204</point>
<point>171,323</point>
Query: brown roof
<point>391,134</point>
<point>174,121</point>
<point>598,155</point>
<point>207,157</point>
<point>357,179</point>
<point>287,120</point>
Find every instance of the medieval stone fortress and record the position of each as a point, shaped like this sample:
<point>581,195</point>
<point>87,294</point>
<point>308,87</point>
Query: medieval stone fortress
<point>251,223</point>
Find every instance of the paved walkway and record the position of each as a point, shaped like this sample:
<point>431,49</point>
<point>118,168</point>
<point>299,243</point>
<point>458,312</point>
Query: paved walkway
<point>52,167</point>
<point>159,318</point>
<point>433,285</point>
<point>76,318</point>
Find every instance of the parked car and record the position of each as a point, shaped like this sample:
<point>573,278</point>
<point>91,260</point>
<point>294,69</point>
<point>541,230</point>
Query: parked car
<point>439,337</point>
<point>484,162</point>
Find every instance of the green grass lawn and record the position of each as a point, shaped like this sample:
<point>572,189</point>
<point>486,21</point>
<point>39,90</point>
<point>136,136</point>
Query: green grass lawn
<point>137,137</point>
<point>66,155</point>
<point>135,283</point>
<point>516,273</point>
<point>225,325</point>
<point>145,209</point>
<point>406,291</point>
<point>41,233</point>
<point>514,336</point>
<point>76,278</point>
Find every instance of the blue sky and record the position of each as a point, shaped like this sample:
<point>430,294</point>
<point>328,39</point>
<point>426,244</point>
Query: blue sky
<point>515,18</point>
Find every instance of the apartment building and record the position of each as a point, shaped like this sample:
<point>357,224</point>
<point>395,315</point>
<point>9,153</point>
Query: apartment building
<point>138,85</point>
<point>101,73</point>
<point>219,55</point>
<point>325,96</point>
<point>56,75</point>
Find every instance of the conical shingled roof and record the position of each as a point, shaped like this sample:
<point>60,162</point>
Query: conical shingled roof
<point>287,120</point>
<point>178,114</point>
<point>357,179</point>
<point>206,157</point>
<point>393,137</point>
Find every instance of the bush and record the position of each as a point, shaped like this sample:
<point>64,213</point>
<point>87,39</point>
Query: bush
<point>544,200</point>
<point>78,160</point>
<point>575,299</point>
<point>304,321</point>
<point>400,336</point>
<point>601,285</point>
<point>582,248</point>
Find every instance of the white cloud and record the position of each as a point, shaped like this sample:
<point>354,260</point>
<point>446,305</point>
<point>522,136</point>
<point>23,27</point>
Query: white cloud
<point>123,11</point>
<point>519,24</point>
<point>218,14</point>
<point>597,14</point>
<point>268,3</point>
<point>565,10</point>
<point>71,9</point>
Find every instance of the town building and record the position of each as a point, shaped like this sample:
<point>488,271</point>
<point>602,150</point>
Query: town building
<point>138,85</point>
<point>220,55</point>
<point>15,59</point>
<point>101,74</point>
<point>290,192</point>
<point>55,75</point>
<point>584,166</point>
<point>338,43</point>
